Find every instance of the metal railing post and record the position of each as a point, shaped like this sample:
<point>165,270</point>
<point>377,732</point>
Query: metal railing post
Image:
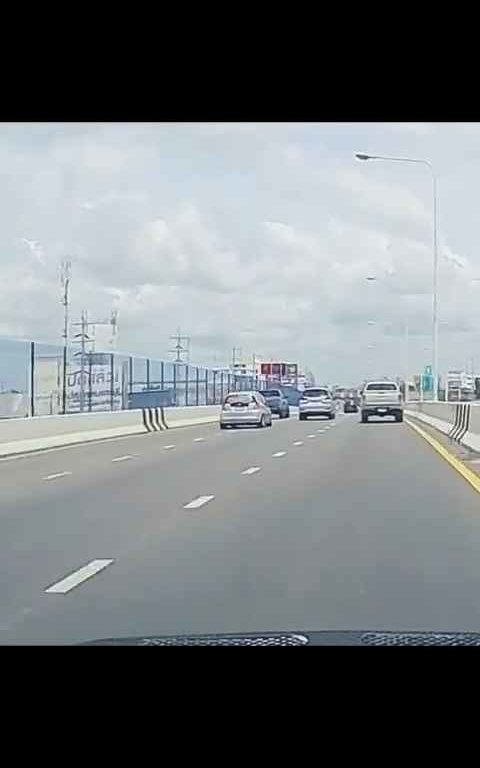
<point>89,381</point>
<point>64,380</point>
<point>112,375</point>
<point>32,378</point>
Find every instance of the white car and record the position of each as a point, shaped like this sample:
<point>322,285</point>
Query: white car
<point>316,401</point>
<point>247,408</point>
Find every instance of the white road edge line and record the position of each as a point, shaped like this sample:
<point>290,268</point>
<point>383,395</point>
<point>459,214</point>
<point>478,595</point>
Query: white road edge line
<point>55,475</point>
<point>77,577</point>
<point>198,502</point>
<point>251,471</point>
<point>299,442</point>
<point>279,454</point>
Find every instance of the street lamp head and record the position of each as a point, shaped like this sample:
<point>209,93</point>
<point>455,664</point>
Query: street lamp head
<point>362,156</point>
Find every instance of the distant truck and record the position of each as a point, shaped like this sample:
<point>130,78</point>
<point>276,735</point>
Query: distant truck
<point>381,398</point>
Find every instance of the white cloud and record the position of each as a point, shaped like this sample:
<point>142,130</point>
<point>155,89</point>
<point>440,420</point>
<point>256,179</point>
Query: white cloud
<point>221,228</point>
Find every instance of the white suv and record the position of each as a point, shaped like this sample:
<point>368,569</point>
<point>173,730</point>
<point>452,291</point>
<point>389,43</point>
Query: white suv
<point>316,401</point>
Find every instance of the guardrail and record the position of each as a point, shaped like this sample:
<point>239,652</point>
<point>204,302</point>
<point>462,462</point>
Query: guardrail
<point>18,436</point>
<point>460,421</point>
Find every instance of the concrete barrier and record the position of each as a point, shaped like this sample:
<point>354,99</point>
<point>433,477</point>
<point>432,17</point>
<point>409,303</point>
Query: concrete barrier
<point>18,436</point>
<point>191,415</point>
<point>460,421</point>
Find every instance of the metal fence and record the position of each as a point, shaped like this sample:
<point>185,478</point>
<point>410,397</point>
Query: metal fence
<point>39,379</point>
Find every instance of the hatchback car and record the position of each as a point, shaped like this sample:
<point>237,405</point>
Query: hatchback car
<point>247,408</point>
<point>277,402</point>
<point>316,401</point>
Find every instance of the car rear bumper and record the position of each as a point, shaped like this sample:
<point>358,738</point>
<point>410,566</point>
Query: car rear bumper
<point>382,410</point>
<point>316,411</point>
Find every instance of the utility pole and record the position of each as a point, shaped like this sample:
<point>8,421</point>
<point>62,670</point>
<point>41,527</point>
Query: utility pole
<point>82,338</point>
<point>235,350</point>
<point>65,280</point>
<point>179,348</point>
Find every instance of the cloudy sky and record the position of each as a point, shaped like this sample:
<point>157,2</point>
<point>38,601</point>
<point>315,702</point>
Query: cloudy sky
<point>258,236</point>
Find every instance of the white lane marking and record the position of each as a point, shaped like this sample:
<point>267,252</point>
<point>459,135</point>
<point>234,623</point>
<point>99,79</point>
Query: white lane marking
<point>76,578</point>
<point>124,458</point>
<point>251,471</point>
<point>279,454</point>
<point>321,431</point>
<point>55,475</point>
<point>299,442</point>
<point>310,436</point>
<point>168,447</point>
<point>199,440</point>
<point>198,502</point>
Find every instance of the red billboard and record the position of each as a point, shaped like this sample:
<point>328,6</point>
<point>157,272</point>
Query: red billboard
<point>279,370</point>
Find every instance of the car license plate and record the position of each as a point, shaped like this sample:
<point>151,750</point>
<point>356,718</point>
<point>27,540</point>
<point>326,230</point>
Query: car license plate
<point>382,410</point>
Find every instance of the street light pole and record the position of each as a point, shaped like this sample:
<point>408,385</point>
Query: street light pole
<point>362,156</point>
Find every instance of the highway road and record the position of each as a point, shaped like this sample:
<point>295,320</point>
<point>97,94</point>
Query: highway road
<point>307,525</point>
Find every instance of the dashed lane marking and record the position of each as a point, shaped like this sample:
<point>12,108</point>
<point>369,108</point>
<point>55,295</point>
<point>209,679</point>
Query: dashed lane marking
<point>168,447</point>
<point>56,475</point>
<point>251,471</point>
<point>299,442</point>
<point>77,577</point>
<point>199,440</point>
<point>311,436</point>
<point>198,502</point>
<point>124,458</point>
<point>279,454</point>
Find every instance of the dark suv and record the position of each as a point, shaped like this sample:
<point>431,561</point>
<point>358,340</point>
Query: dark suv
<point>277,402</point>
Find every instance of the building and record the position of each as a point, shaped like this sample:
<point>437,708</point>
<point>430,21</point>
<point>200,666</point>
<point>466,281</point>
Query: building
<point>460,385</point>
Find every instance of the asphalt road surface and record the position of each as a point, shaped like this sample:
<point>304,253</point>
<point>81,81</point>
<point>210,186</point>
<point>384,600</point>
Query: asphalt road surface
<point>307,525</point>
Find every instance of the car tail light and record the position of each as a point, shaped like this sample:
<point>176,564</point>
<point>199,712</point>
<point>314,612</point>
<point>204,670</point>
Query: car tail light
<point>252,406</point>
<point>227,407</point>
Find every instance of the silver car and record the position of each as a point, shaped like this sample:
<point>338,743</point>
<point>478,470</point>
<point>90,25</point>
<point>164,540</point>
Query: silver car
<point>316,401</point>
<point>245,408</point>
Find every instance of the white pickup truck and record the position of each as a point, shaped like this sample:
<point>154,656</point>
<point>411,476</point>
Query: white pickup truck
<point>381,398</point>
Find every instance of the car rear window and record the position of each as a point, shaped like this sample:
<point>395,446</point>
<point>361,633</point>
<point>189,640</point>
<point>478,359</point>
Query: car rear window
<point>381,386</point>
<point>316,393</point>
<point>270,393</point>
<point>240,399</point>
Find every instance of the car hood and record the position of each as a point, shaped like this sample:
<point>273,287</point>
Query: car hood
<point>364,638</point>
